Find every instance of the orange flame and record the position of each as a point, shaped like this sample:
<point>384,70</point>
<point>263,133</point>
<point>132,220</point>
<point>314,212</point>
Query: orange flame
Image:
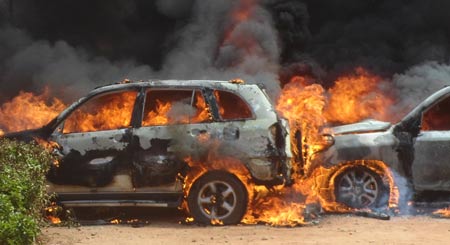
<point>308,109</point>
<point>303,106</point>
<point>357,97</point>
<point>161,114</point>
<point>117,108</point>
<point>28,111</point>
<point>52,213</point>
<point>445,212</point>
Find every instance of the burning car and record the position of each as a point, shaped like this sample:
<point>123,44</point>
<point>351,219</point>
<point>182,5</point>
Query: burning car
<point>158,143</point>
<point>363,156</point>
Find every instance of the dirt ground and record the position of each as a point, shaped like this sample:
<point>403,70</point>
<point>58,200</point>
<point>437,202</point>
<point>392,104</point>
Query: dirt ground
<point>164,228</point>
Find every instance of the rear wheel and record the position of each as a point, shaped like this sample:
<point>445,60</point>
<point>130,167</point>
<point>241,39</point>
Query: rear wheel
<point>217,196</point>
<point>360,187</point>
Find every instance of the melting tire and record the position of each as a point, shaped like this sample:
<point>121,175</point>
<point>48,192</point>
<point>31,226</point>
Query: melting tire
<point>218,198</point>
<point>360,187</point>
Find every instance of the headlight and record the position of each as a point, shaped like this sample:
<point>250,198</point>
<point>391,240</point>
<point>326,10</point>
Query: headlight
<point>328,140</point>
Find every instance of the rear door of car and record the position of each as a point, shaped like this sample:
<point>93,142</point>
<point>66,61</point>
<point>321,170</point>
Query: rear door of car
<point>174,120</point>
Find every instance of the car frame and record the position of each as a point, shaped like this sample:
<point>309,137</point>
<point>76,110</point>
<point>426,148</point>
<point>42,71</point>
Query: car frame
<point>119,167</point>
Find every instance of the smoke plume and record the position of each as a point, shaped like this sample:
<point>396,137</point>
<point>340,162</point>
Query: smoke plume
<point>81,44</point>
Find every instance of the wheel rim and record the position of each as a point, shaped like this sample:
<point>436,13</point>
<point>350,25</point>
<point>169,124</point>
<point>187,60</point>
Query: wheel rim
<point>217,200</point>
<point>357,188</point>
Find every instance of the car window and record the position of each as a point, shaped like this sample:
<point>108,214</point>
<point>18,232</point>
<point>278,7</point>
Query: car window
<point>231,106</point>
<point>103,112</point>
<point>437,117</point>
<point>167,107</point>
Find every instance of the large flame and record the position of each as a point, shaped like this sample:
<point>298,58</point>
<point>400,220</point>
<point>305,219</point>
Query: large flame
<point>162,116</point>
<point>112,112</point>
<point>29,111</point>
<point>309,109</point>
<point>356,97</point>
<point>303,105</point>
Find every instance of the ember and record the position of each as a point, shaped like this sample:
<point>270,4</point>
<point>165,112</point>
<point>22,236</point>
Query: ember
<point>53,213</point>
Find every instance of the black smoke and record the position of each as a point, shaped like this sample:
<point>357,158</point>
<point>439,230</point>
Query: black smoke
<point>77,45</point>
<point>386,36</point>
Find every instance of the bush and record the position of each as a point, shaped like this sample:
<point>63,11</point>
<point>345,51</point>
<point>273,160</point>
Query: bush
<point>22,190</point>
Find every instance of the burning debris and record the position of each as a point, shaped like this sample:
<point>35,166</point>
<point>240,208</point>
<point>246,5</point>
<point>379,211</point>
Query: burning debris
<point>444,213</point>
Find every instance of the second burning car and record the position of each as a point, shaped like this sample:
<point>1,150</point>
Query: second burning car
<point>155,143</point>
<point>364,155</point>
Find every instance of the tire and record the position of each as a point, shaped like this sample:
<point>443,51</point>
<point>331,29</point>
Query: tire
<point>217,196</point>
<point>360,187</point>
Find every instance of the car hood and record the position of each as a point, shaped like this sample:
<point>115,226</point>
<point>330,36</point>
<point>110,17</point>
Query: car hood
<point>27,135</point>
<point>362,127</point>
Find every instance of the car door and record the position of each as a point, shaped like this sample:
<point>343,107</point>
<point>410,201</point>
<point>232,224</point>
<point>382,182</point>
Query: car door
<point>94,145</point>
<point>173,121</point>
<point>431,166</point>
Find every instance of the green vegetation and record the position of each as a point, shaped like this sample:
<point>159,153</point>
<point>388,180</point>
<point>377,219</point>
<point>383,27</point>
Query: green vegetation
<point>22,190</point>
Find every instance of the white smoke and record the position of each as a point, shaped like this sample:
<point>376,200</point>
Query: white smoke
<point>417,83</point>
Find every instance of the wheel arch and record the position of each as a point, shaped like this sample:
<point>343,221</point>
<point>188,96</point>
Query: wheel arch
<point>379,167</point>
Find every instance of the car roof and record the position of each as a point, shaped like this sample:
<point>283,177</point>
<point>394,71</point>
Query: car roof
<point>171,83</point>
<point>215,84</point>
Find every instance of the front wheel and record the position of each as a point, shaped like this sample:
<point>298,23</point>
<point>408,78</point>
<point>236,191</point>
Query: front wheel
<point>217,196</point>
<point>360,187</point>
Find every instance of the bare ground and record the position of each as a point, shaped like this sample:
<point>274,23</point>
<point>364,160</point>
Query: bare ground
<point>163,228</point>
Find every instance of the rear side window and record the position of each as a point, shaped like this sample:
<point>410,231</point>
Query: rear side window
<point>104,112</point>
<point>231,106</point>
<point>168,107</point>
<point>437,117</point>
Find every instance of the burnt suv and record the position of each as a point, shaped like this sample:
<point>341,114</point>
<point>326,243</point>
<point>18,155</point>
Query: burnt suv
<point>135,144</point>
<point>365,155</point>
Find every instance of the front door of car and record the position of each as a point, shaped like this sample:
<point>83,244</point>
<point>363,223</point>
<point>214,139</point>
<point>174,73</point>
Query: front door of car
<point>173,123</point>
<point>431,166</point>
<point>94,145</point>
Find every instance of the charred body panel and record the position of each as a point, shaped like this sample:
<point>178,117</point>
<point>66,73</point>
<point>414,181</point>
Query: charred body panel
<point>431,169</point>
<point>352,147</point>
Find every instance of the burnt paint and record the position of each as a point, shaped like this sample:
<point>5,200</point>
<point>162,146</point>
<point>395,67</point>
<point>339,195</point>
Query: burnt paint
<point>75,169</point>
<point>156,165</point>
<point>357,153</point>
